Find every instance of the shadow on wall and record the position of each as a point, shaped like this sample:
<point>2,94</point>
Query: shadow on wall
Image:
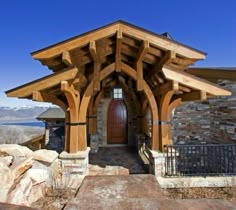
<point>56,139</point>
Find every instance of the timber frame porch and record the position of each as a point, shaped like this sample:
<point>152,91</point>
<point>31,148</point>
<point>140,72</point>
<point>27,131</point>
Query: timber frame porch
<point>153,69</point>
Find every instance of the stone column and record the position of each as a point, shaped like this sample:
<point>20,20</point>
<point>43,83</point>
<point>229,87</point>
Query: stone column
<point>74,163</point>
<point>94,143</point>
<point>156,162</point>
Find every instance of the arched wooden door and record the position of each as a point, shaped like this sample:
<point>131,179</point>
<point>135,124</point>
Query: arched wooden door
<point>117,123</point>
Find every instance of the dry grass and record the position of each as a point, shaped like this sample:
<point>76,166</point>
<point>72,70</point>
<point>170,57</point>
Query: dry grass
<point>11,134</point>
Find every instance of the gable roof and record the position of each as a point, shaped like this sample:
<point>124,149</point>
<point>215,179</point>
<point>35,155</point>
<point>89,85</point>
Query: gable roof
<point>52,113</point>
<point>105,38</point>
<point>119,24</point>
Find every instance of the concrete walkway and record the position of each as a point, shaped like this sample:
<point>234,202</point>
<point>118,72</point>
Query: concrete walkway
<point>134,192</point>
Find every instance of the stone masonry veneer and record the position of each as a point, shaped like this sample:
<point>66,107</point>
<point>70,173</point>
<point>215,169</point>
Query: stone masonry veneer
<point>211,121</point>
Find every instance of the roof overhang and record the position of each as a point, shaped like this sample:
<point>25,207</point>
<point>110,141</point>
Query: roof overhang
<point>214,73</point>
<point>194,82</point>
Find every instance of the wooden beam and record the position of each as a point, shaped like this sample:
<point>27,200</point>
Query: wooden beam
<point>158,78</point>
<point>155,119</point>
<point>93,51</point>
<point>43,83</point>
<point>163,43</point>
<point>97,66</point>
<point>157,40</point>
<point>185,89</point>
<point>139,67</point>
<point>167,58</point>
<point>119,38</point>
<point>194,82</point>
<point>129,70</point>
<point>143,51</point>
<point>164,125</point>
<point>213,74</point>
<point>73,101</point>
<point>184,61</point>
<point>96,81</point>
<point>139,64</point>
<point>194,96</point>
<point>46,97</point>
<point>80,81</point>
<point>66,58</point>
<point>169,86</point>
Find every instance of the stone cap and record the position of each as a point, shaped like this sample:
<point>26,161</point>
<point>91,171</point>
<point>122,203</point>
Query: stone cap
<point>77,155</point>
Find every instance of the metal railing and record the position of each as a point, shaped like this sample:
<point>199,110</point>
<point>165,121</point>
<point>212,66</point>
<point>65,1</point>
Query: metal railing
<point>200,160</point>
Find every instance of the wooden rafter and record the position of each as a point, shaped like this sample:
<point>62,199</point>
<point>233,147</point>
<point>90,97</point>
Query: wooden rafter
<point>132,31</point>
<point>43,83</point>
<point>161,42</point>
<point>119,38</point>
<point>194,82</point>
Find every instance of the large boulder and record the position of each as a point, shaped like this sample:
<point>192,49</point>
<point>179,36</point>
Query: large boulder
<point>7,160</point>
<point>16,150</point>
<point>38,191</point>
<point>21,192</point>
<point>22,167</point>
<point>44,155</point>
<point>6,181</point>
<point>38,175</point>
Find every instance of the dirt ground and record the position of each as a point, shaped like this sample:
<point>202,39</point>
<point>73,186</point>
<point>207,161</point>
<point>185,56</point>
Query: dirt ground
<point>57,200</point>
<point>200,192</point>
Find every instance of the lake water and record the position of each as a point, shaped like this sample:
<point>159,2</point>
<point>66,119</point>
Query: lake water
<point>34,124</point>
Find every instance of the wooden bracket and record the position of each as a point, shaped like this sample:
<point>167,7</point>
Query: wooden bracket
<point>143,51</point>
<point>194,96</point>
<point>93,51</point>
<point>66,58</point>
<point>46,97</point>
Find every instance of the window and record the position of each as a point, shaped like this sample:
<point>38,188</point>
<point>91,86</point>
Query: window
<point>117,93</point>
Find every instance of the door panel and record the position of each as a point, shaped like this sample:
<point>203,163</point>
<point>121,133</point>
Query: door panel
<point>117,123</point>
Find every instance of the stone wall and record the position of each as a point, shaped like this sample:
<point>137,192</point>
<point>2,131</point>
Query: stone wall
<point>211,121</point>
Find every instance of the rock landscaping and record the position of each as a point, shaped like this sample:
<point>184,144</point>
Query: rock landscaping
<point>25,176</point>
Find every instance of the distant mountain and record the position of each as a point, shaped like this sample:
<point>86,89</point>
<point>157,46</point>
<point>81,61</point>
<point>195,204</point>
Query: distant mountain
<point>18,114</point>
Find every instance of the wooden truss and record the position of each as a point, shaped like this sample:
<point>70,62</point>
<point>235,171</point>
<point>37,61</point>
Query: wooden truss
<point>148,66</point>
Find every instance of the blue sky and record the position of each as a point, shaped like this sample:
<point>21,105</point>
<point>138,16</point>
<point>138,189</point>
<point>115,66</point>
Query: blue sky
<point>27,26</point>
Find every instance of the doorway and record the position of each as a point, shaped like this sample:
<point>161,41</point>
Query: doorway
<point>117,122</point>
